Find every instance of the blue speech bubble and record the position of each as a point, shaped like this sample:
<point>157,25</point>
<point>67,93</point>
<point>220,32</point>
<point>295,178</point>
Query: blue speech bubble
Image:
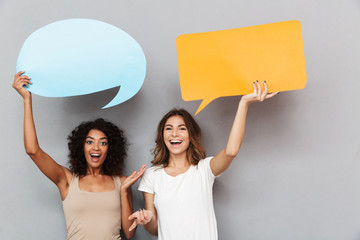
<point>81,56</point>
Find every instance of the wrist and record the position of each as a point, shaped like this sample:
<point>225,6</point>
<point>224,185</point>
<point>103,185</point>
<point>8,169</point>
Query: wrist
<point>123,191</point>
<point>27,99</point>
<point>244,103</point>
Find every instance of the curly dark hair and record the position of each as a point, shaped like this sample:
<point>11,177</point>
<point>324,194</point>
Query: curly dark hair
<point>117,151</point>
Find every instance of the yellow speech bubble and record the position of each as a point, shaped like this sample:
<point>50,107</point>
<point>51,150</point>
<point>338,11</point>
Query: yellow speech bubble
<point>225,63</point>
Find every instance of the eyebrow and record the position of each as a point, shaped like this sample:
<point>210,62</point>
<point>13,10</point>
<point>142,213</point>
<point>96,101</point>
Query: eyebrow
<point>94,138</point>
<point>180,125</point>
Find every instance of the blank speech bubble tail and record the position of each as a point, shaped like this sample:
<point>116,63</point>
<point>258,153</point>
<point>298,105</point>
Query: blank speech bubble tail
<point>122,95</point>
<point>203,104</point>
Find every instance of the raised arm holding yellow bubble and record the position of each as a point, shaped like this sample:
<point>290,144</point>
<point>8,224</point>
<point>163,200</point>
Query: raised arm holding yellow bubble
<point>223,159</point>
<point>178,187</point>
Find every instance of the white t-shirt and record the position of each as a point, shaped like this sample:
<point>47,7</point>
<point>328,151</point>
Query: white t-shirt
<point>184,203</point>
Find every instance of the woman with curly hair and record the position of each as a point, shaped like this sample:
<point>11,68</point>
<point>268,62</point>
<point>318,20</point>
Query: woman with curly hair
<point>96,196</point>
<point>178,187</point>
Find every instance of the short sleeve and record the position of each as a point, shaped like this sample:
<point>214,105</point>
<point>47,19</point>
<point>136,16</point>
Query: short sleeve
<point>147,181</point>
<point>204,165</point>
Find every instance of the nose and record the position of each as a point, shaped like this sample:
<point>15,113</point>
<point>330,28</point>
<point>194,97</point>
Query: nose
<point>174,133</point>
<point>96,146</point>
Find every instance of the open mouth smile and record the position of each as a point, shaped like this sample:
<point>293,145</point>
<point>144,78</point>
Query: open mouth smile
<point>175,142</point>
<point>95,157</point>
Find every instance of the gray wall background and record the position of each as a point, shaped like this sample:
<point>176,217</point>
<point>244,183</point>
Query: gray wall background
<point>297,173</point>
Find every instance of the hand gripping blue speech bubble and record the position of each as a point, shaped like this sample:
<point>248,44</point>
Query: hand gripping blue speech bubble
<point>81,56</point>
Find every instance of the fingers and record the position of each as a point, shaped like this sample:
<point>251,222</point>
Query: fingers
<point>19,73</point>
<point>23,77</point>
<point>133,226</point>
<point>25,82</point>
<point>130,180</point>
<point>141,216</point>
<point>133,216</point>
<point>145,214</point>
<point>139,173</point>
<point>271,95</point>
<point>255,88</point>
<point>21,80</point>
<point>264,93</point>
<point>258,94</point>
<point>133,174</point>
<point>20,83</point>
<point>142,169</point>
<point>265,87</point>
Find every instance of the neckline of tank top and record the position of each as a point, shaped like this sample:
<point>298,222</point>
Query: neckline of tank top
<point>84,191</point>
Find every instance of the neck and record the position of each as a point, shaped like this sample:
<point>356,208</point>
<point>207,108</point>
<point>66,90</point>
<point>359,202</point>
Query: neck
<point>179,161</point>
<point>94,171</point>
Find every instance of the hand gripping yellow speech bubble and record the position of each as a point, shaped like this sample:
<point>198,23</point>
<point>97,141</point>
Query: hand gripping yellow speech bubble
<point>225,63</point>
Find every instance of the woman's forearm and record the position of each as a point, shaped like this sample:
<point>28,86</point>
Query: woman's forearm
<point>126,211</point>
<point>237,132</point>
<point>30,139</point>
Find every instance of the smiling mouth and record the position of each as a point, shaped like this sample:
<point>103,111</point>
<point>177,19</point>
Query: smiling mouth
<point>175,142</point>
<point>95,156</point>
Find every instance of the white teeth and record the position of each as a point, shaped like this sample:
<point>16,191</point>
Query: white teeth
<point>95,155</point>
<point>175,141</point>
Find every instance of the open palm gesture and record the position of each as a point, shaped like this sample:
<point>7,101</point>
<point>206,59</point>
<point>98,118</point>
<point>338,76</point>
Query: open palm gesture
<point>130,180</point>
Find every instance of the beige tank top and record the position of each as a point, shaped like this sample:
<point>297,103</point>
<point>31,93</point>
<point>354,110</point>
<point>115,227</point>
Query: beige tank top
<point>92,215</point>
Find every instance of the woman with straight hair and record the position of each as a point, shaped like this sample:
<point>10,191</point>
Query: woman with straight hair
<point>95,193</point>
<point>178,187</point>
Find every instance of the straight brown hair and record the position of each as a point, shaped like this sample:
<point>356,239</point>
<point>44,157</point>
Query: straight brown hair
<point>195,151</point>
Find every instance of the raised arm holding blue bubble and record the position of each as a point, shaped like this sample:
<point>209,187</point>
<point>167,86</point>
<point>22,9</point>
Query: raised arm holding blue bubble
<point>96,196</point>
<point>178,187</point>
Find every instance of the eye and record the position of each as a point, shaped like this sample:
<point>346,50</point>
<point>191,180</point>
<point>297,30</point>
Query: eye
<point>89,142</point>
<point>183,128</point>
<point>168,128</point>
<point>103,143</point>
